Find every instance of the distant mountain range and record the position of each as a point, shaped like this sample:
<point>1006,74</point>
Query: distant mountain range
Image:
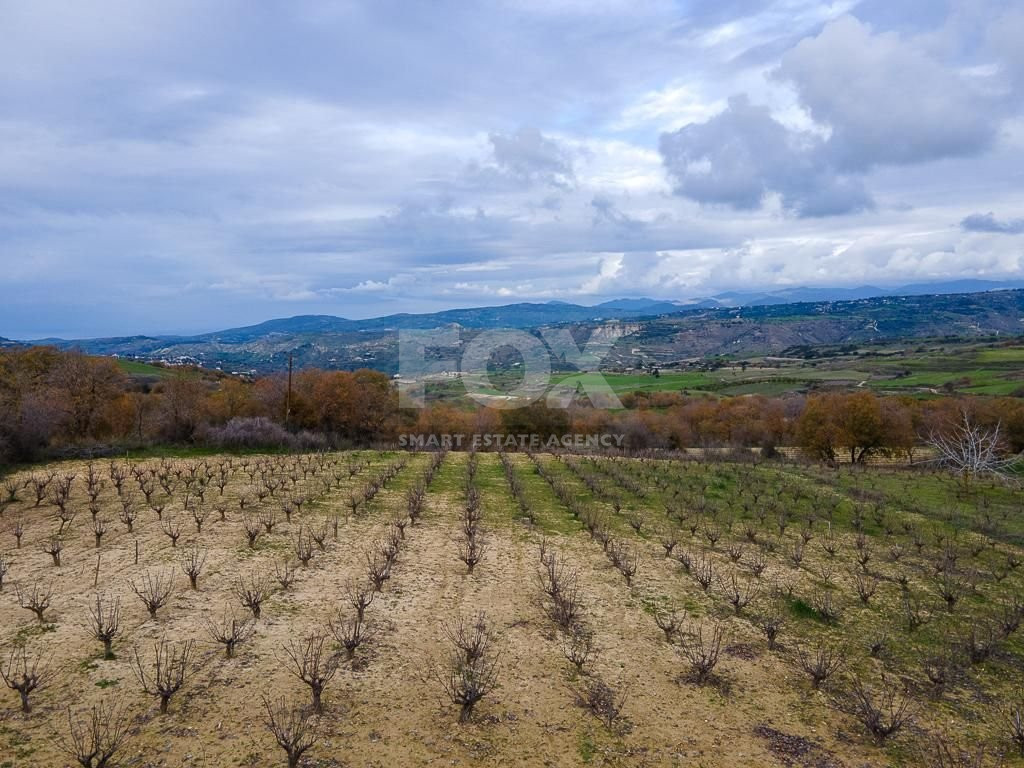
<point>801,294</point>
<point>772,321</point>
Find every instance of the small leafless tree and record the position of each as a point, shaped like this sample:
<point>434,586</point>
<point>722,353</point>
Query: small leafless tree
<point>5,568</point>
<point>304,548</point>
<point>866,586</point>
<point>105,623</point>
<point>192,564</point>
<point>949,752</point>
<point>284,572</point>
<point>35,598</point>
<point>128,515</point>
<point>466,682</point>
<point>669,621</point>
<point>26,673</point>
<point>820,662</point>
<point>268,519</point>
<point>53,546</point>
<point>701,649</point>
<point>937,669</point>
<point>154,590</point>
<point>757,564</point>
<point>914,614</point>
<point>604,702</point>
<point>829,543</point>
<point>472,636</point>
<point>18,529</point>
<point>826,606</point>
<point>578,645</point>
<point>96,735</point>
<point>11,489</point>
<point>970,451</point>
<point>253,592</point>
<point>703,571</point>
<point>741,593</point>
<point>172,529</point>
<point>165,676</point>
<point>951,588</point>
<point>312,662</point>
<point>560,583</point>
<point>354,500</point>
<point>1015,721</point>
<point>230,631</point>
<point>350,633</point>
<point>472,549</point>
<point>735,551</point>
<point>882,712</point>
<point>293,728</point>
<point>400,521</point>
<point>319,535</point>
<point>199,515</point>
<point>980,641</point>
<point>669,541</point>
<point>99,527</point>
<point>625,560</point>
<point>771,623</point>
<point>359,595</point>
<point>40,483</point>
<point>378,569</point>
<point>253,530</point>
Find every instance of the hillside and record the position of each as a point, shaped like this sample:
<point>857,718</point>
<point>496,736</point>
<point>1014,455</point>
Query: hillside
<point>656,337</point>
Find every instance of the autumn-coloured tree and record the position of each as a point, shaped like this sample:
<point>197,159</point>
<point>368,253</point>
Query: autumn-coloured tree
<point>83,386</point>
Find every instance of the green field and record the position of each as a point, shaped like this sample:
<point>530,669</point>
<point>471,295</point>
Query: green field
<point>926,370</point>
<point>135,368</point>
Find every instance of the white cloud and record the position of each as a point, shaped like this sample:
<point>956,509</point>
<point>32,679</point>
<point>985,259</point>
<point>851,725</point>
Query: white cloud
<point>395,156</point>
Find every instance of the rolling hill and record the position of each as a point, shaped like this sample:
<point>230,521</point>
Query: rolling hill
<point>657,332</point>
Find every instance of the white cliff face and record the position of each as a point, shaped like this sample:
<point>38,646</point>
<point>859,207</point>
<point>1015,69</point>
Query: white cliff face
<point>612,332</point>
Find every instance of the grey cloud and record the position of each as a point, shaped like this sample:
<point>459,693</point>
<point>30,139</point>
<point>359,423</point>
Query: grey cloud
<point>987,222</point>
<point>880,99</point>
<point>742,155</point>
<point>607,212</point>
<point>885,100</point>
<point>529,156</point>
<point>161,170</point>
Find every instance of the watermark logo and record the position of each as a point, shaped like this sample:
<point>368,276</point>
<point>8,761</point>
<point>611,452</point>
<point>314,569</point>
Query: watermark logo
<point>436,355</point>
<point>504,442</point>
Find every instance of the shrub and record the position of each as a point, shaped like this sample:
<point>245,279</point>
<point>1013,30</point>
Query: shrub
<point>293,728</point>
<point>95,737</point>
<point>578,646</point>
<point>604,702</point>
<point>820,662</point>
<point>312,662</point>
<point>167,673</point>
<point>244,432</point>
<point>25,673</point>
<point>469,676</point>
<point>702,649</point>
<point>882,712</point>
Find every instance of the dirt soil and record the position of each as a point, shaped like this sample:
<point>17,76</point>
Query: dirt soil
<point>386,709</point>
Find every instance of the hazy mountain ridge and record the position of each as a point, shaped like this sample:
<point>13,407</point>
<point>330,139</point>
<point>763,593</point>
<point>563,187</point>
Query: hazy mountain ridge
<point>659,337</point>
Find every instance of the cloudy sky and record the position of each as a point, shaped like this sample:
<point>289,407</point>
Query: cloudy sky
<point>192,165</point>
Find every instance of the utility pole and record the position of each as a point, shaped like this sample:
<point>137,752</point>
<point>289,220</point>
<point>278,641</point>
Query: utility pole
<point>288,401</point>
